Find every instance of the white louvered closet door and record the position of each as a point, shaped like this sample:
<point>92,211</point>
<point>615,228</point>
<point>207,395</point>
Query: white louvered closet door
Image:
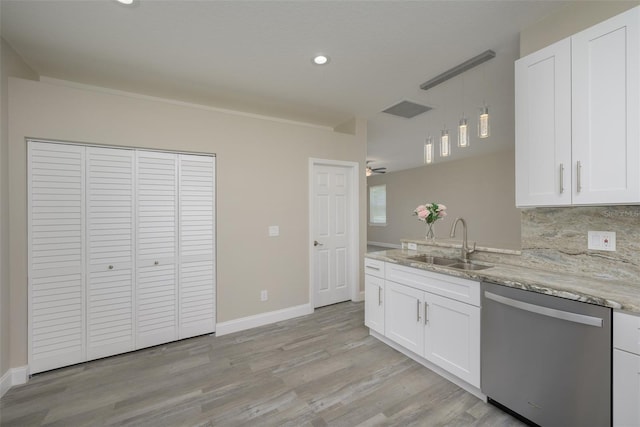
<point>196,249</point>
<point>110,251</point>
<point>56,251</point>
<point>157,238</point>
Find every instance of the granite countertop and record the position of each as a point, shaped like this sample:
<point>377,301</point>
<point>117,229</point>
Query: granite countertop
<point>616,294</point>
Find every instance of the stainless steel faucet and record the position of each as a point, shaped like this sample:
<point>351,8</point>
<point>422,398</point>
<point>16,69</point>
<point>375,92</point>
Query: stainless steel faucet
<point>465,251</point>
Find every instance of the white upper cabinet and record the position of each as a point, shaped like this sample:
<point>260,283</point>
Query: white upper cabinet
<point>543,126</point>
<point>577,127</point>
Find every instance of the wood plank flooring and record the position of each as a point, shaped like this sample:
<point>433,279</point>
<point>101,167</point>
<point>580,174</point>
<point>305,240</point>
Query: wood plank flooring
<point>319,370</point>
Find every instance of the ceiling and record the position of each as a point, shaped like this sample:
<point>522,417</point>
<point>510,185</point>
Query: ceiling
<point>255,56</point>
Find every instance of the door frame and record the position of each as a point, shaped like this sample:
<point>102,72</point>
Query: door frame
<point>353,170</point>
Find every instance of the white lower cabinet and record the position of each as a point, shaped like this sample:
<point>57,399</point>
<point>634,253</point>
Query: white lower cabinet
<point>435,316</point>
<point>374,299</point>
<point>626,370</point>
<point>452,337</point>
<point>403,316</point>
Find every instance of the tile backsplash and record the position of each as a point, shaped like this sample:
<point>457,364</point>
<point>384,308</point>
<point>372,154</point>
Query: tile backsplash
<point>556,239</point>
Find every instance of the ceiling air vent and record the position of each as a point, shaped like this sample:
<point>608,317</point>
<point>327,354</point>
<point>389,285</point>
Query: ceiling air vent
<point>406,109</point>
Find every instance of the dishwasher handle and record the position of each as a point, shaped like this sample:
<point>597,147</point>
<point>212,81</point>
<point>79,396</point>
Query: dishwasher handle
<point>546,311</point>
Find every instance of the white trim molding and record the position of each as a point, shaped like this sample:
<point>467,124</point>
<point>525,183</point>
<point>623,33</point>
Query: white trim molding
<point>262,319</point>
<point>13,376</point>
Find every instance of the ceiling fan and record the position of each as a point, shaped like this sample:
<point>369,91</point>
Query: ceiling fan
<point>371,171</point>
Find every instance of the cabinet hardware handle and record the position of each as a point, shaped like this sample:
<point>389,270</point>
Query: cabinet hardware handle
<point>418,310</point>
<point>579,174</point>
<point>111,267</point>
<point>561,178</point>
<point>379,296</point>
<point>156,263</point>
<point>373,268</point>
<point>426,313</point>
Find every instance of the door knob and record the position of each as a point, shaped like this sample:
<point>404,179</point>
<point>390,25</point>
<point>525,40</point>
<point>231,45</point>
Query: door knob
<point>316,243</point>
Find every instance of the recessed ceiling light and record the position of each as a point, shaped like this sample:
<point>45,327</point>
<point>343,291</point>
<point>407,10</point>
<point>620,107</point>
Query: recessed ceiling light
<point>125,1</point>
<point>320,59</point>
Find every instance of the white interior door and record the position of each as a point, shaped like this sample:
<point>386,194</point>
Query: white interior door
<point>110,251</point>
<point>331,234</point>
<point>197,311</point>
<point>157,235</point>
<point>56,255</point>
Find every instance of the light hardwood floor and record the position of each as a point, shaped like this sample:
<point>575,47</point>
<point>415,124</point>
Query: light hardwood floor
<point>318,370</point>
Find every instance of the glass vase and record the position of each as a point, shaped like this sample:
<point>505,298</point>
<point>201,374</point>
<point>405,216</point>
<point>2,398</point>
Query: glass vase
<point>430,231</point>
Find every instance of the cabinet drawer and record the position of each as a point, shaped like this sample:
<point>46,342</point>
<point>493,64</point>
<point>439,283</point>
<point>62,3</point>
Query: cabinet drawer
<point>626,332</point>
<point>464,290</point>
<point>374,267</point>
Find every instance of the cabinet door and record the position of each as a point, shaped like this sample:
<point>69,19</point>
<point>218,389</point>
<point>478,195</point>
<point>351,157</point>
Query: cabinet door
<point>403,316</point>
<point>606,92</point>
<point>374,303</point>
<point>452,337</point>
<point>197,306</point>
<point>56,251</point>
<point>626,389</point>
<point>110,251</point>
<point>156,254</point>
<point>543,126</point>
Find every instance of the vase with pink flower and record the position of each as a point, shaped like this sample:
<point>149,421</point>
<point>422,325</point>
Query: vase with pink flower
<point>430,213</point>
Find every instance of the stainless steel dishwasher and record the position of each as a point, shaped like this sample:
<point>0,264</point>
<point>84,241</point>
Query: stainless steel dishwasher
<point>545,358</point>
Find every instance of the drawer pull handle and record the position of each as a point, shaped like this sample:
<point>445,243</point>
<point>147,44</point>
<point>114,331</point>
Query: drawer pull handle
<point>373,268</point>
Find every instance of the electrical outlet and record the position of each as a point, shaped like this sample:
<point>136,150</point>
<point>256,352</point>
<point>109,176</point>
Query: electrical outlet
<point>601,240</point>
<point>274,231</point>
<point>264,295</point>
<point>412,246</point>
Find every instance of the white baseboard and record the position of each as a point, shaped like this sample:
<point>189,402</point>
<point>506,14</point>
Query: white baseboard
<point>13,376</point>
<point>262,319</point>
<point>385,245</point>
<point>359,297</point>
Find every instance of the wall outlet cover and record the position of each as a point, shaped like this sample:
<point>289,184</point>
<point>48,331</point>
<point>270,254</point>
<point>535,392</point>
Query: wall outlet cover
<point>274,230</point>
<point>601,240</point>
<point>412,246</point>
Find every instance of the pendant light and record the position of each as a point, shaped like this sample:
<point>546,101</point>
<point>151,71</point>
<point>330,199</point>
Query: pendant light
<point>463,132</point>
<point>484,130</point>
<point>463,127</point>
<point>428,150</point>
<point>445,145</point>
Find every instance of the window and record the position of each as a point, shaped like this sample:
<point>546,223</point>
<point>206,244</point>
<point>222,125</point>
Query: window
<point>378,205</point>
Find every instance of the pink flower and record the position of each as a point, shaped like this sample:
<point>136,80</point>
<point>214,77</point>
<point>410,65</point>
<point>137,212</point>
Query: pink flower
<point>441,207</point>
<point>421,208</point>
<point>442,214</point>
<point>423,214</point>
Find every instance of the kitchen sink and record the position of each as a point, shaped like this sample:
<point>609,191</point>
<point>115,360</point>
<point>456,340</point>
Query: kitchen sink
<point>468,266</point>
<point>428,259</point>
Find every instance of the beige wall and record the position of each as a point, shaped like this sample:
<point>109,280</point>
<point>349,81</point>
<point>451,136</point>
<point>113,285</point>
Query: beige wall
<point>480,189</point>
<point>262,180</point>
<point>11,65</point>
<point>574,17</point>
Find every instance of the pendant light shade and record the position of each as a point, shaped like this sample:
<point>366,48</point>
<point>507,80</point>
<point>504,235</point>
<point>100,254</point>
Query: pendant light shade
<point>428,150</point>
<point>483,122</point>
<point>463,132</point>
<point>445,145</point>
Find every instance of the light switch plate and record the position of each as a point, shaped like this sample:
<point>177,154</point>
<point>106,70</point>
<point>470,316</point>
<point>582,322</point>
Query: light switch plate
<point>601,240</point>
<point>274,230</point>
